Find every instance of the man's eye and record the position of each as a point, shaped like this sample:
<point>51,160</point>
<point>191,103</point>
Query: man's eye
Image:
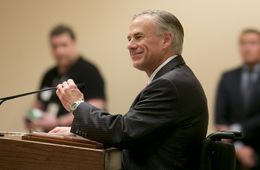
<point>138,37</point>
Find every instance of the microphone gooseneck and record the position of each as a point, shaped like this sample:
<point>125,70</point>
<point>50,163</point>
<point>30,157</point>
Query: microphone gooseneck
<point>2,100</point>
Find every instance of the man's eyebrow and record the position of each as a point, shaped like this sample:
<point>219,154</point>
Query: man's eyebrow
<point>138,33</point>
<point>135,34</point>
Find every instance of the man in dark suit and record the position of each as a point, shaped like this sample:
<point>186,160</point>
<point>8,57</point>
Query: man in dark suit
<point>238,101</point>
<point>166,124</point>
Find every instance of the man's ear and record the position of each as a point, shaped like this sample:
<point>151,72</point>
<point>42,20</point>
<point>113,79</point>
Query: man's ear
<point>168,39</point>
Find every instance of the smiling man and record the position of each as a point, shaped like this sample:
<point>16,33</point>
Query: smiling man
<point>167,122</point>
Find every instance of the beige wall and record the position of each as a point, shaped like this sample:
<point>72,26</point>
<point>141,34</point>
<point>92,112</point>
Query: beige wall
<point>211,30</point>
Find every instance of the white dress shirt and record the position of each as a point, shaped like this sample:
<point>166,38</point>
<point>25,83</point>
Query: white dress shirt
<point>159,68</point>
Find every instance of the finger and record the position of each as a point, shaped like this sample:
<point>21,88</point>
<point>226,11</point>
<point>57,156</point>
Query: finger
<point>59,89</point>
<point>58,93</point>
<point>59,86</point>
<point>55,130</point>
<point>65,85</point>
<point>71,83</point>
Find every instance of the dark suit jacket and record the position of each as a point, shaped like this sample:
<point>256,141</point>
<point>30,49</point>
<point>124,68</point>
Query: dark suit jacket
<point>163,129</point>
<point>230,107</point>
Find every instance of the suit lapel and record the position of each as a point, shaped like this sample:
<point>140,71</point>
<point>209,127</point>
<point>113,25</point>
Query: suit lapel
<point>175,62</point>
<point>255,96</point>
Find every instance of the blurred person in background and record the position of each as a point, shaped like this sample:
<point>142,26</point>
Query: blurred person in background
<point>47,111</point>
<point>238,101</point>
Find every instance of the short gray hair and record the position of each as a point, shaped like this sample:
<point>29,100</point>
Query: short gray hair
<point>167,22</point>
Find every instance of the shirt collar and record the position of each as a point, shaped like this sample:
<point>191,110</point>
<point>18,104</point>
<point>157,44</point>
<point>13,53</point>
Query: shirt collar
<point>159,68</point>
<point>255,69</point>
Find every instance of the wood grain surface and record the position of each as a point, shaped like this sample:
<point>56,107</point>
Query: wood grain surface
<point>17,154</point>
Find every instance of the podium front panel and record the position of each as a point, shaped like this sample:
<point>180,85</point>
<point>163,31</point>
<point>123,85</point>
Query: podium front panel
<point>17,154</point>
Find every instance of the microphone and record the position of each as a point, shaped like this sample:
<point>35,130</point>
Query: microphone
<point>2,100</point>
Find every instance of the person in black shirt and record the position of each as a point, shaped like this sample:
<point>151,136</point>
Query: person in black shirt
<point>47,111</point>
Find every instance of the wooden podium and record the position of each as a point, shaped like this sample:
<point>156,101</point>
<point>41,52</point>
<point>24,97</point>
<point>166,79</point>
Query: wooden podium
<point>18,154</point>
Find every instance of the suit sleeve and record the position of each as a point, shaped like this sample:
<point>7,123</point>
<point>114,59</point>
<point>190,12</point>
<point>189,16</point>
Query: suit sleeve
<point>222,103</point>
<point>151,112</point>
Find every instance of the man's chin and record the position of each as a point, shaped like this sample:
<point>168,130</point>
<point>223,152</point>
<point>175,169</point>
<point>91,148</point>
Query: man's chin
<point>138,66</point>
<point>251,62</point>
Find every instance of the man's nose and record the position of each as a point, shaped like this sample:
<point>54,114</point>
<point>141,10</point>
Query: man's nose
<point>59,50</point>
<point>131,45</point>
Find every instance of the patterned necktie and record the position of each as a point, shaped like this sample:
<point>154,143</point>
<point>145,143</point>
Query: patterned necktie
<point>248,90</point>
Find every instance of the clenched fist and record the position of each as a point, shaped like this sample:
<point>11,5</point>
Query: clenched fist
<point>68,93</point>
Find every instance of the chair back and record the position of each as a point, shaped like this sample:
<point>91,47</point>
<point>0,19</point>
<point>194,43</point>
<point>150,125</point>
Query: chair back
<point>218,155</point>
